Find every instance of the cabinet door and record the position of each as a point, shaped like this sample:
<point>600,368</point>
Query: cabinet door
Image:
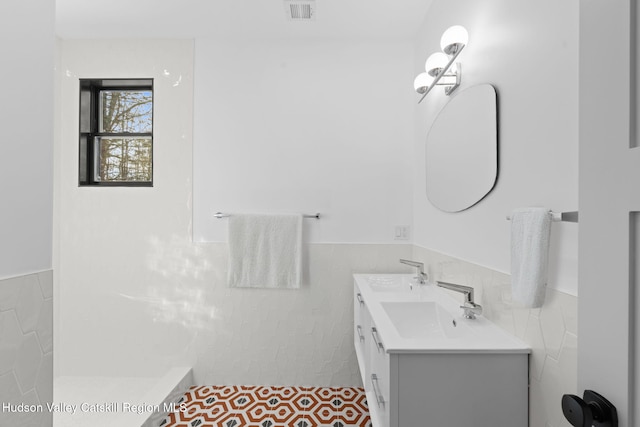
<point>379,381</point>
<point>463,389</point>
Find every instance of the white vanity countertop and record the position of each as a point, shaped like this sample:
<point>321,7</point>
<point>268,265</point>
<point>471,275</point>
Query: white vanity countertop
<point>430,319</point>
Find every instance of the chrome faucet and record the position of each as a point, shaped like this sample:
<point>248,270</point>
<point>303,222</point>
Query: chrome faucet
<point>422,277</point>
<point>470,307</point>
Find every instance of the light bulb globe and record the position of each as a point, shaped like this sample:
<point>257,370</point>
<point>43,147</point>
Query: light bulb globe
<point>422,82</point>
<point>453,39</point>
<point>435,63</point>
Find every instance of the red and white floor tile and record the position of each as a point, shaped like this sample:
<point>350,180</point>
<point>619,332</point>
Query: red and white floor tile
<point>258,406</point>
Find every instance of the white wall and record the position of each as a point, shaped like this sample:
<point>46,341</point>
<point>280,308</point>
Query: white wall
<point>138,296</point>
<point>528,51</point>
<point>26,207</point>
<point>304,126</point>
<point>26,117</point>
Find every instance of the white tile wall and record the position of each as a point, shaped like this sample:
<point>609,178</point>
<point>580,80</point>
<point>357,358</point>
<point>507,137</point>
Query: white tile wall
<point>280,336</point>
<point>26,348</point>
<point>551,331</point>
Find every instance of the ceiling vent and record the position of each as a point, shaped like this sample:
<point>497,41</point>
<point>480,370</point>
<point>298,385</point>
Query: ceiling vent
<point>297,10</point>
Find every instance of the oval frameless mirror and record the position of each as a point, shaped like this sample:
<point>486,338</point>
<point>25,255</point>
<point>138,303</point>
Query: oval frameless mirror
<point>462,150</point>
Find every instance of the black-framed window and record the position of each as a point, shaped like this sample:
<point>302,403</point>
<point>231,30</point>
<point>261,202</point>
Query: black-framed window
<point>116,132</point>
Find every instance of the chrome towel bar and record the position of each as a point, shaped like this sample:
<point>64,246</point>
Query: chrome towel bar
<point>224,215</point>
<point>561,216</point>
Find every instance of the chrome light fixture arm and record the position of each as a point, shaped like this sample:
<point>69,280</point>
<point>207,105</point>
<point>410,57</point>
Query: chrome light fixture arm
<point>443,72</point>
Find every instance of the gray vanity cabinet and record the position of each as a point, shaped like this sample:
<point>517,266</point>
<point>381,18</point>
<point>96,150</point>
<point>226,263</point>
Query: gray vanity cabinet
<point>438,389</point>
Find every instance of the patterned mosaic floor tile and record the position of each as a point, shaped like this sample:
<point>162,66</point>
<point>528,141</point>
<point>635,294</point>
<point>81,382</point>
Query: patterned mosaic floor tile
<point>264,406</point>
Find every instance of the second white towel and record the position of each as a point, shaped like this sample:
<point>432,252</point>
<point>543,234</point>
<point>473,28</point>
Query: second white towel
<point>265,251</point>
<point>530,230</point>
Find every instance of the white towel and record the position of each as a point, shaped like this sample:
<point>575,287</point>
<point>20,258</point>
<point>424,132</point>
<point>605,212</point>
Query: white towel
<point>265,251</point>
<point>530,230</point>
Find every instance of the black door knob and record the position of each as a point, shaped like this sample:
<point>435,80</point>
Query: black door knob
<point>576,411</point>
<point>592,410</point>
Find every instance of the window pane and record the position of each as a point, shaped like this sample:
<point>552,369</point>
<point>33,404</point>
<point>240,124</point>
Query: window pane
<point>82,173</point>
<point>126,111</point>
<point>85,110</point>
<point>123,159</point>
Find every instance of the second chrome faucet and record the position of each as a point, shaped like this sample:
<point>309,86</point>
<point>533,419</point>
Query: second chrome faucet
<point>470,307</point>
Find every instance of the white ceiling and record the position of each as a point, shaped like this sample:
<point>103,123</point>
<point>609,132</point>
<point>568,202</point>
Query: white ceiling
<point>389,19</point>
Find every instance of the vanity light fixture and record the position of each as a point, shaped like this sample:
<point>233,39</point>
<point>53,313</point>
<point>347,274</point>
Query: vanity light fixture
<point>441,68</point>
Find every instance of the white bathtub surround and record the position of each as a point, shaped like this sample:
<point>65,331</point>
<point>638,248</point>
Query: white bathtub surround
<point>125,401</point>
<point>265,251</point>
<point>181,379</point>
<point>551,331</point>
<point>26,347</point>
<point>530,233</point>
<point>117,248</point>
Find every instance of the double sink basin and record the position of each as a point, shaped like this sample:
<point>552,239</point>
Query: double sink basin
<point>412,317</point>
